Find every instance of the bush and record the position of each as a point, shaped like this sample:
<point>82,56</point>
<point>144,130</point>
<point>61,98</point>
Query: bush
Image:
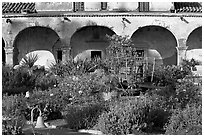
<point>50,103</point>
<point>12,105</point>
<point>13,120</point>
<point>78,68</point>
<point>83,116</point>
<point>13,126</point>
<point>186,122</point>
<point>17,81</point>
<point>188,93</point>
<point>185,93</point>
<point>46,81</point>
<point>131,116</point>
<point>7,75</point>
<point>166,75</point>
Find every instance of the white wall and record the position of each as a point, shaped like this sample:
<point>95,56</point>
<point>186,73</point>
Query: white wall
<point>127,6</point>
<point>160,6</point>
<point>92,6</point>
<point>54,6</point>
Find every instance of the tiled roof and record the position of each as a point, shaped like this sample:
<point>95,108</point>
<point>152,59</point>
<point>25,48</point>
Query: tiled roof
<point>187,7</point>
<point>8,7</point>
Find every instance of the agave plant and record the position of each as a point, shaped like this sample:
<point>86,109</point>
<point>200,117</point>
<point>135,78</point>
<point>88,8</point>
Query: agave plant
<point>30,60</point>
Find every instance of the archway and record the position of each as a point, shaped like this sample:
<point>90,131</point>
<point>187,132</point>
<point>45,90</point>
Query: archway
<point>33,39</point>
<point>194,43</point>
<point>3,52</point>
<point>91,38</point>
<point>155,41</point>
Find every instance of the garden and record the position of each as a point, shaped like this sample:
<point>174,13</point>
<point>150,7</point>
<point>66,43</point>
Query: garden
<point>96,94</point>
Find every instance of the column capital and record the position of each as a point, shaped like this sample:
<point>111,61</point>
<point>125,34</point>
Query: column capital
<point>182,42</point>
<point>8,50</point>
<point>182,48</point>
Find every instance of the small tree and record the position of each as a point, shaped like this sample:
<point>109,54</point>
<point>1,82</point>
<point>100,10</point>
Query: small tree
<point>121,55</point>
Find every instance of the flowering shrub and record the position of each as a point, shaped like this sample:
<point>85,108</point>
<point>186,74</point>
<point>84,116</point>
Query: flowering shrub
<point>131,116</point>
<point>16,82</point>
<point>46,81</point>
<point>188,64</point>
<point>50,102</point>
<point>13,126</point>
<point>166,75</point>
<point>12,105</point>
<point>186,122</point>
<point>13,120</point>
<point>83,116</point>
<point>185,93</point>
<point>7,73</point>
<point>87,85</point>
<point>188,93</point>
<point>20,80</point>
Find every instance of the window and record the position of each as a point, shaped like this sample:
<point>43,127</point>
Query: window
<point>143,6</point>
<point>103,5</point>
<point>95,54</point>
<point>78,6</point>
<point>140,53</point>
<point>59,55</point>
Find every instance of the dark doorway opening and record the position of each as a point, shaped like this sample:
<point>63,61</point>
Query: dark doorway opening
<point>95,54</point>
<point>140,53</point>
<point>59,56</point>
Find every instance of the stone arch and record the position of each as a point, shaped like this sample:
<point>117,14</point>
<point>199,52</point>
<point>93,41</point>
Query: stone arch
<point>35,38</point>
<point>194,44</point>
<point>90,38</point>
<point>194,40</point>
<point>3,51</point>
<point>156,40</point>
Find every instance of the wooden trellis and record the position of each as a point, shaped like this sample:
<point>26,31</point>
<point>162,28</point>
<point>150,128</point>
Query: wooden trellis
<point>124,59</point>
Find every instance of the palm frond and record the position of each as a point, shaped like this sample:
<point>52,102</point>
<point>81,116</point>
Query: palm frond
<point>30,60</point>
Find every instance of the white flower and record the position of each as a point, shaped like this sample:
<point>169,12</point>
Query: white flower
<point>55,85</point>
<point>27,94</point>
<point>80,91</point>
<point>51,94</point>
<point>75,78</point>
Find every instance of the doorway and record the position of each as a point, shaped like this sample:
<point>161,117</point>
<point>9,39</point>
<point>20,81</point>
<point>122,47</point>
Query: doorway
<point>59,56</point>
<point>96,54</point>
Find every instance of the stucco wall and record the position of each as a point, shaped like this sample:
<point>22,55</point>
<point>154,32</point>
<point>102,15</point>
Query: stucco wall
<point>54,6</point>
<point>65,28</point>
<point>160,6</point>
<point>96,6</point>
<point>123,6</point>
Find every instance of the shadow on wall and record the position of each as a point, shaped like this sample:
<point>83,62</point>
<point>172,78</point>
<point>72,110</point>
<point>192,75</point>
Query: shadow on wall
<point>90,37</point>
<point>171,60</point>
<point>32,39</point>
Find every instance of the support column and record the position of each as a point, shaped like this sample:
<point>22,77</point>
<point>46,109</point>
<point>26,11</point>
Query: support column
<point>65,54</point>
<point>181,54</point>
<point>9,55</point>
<point>181,50</point>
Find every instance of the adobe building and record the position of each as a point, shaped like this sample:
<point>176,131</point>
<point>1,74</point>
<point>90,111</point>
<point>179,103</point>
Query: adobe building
<point>171,31</point>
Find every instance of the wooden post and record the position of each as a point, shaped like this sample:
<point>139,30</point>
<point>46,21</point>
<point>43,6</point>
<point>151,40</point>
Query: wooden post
<point>153,70</point>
